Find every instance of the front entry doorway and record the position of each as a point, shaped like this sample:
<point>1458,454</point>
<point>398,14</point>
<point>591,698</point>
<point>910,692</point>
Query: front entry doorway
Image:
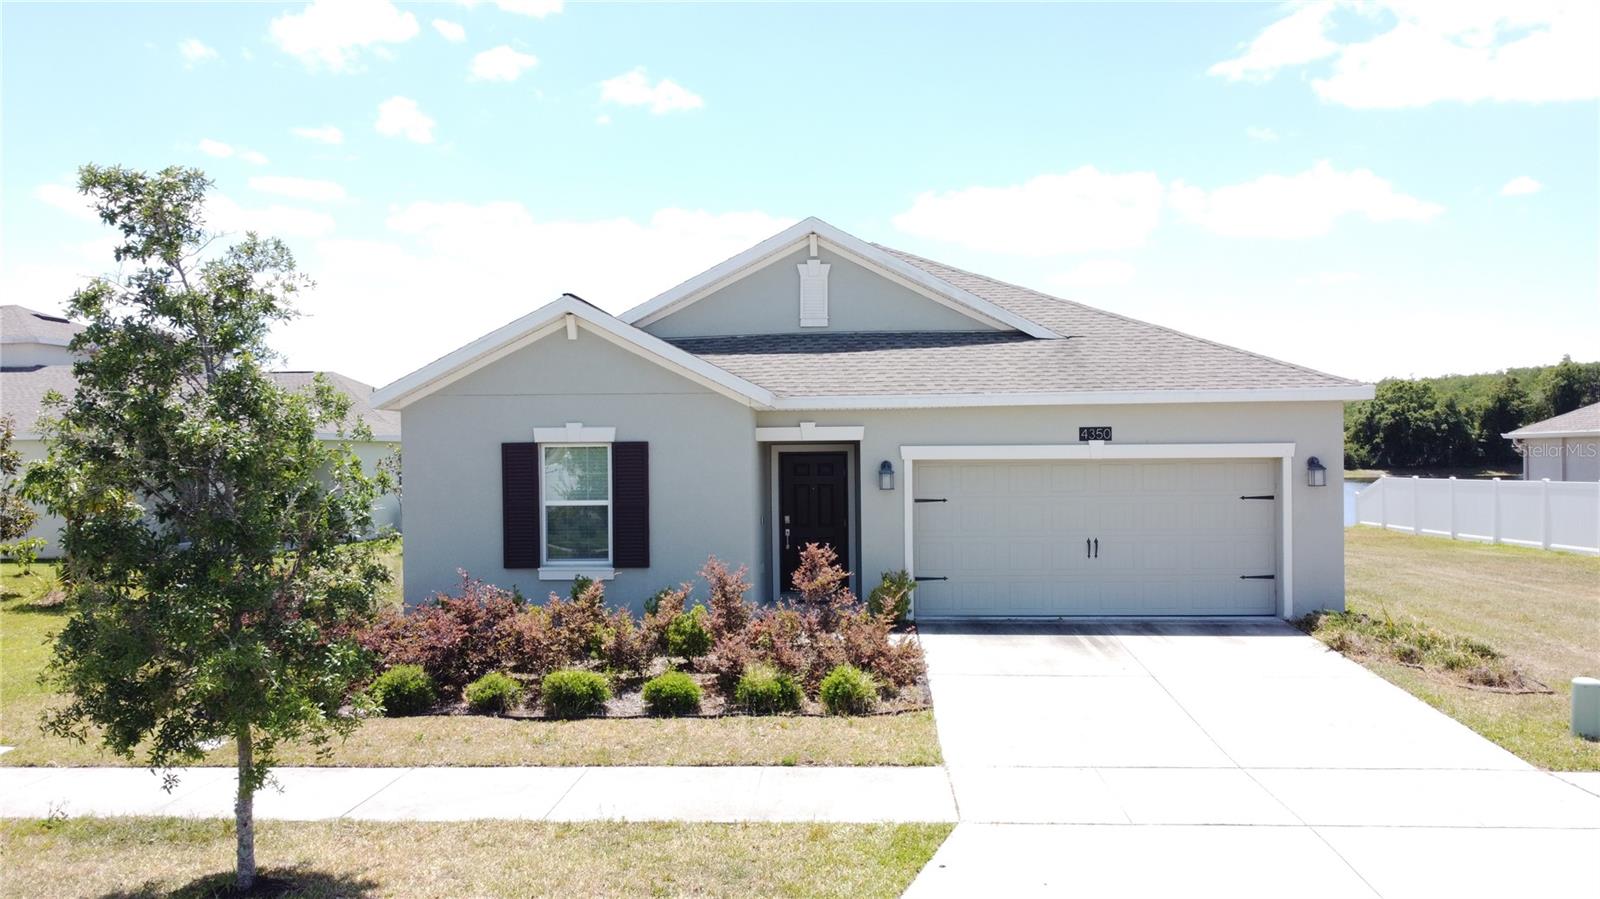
<point>813,507</point>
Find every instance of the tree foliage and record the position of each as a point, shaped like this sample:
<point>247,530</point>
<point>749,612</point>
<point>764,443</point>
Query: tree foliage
<point>16,516</point>
<point>214,579</point>
<point>1457,420</point>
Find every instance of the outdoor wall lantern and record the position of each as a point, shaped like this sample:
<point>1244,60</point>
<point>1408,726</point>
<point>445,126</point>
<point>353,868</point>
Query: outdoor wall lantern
<point>886,476</point>
<point>1316,472</point>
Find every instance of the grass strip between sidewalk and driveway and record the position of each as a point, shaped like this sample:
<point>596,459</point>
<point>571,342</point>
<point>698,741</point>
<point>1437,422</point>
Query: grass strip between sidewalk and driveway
<point>136,857</point>
<point>1536,609</point>
<point>900,739</point>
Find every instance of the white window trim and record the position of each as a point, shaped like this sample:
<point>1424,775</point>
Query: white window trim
<point>573,432</point>
<point>599,569</point>
<point>1283,452</point>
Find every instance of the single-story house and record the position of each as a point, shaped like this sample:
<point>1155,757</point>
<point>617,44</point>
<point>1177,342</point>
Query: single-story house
<point>35,358</point>
<point>1563,448</point>
<point>1019,454</point>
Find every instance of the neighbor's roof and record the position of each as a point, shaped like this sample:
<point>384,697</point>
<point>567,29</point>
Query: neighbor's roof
<point>1102,353</point>
<point>22,392</point>
<point>1580,422</point>
<point>19,324</point>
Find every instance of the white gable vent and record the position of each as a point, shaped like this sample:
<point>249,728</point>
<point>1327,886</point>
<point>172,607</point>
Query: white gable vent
<point>813,293</point>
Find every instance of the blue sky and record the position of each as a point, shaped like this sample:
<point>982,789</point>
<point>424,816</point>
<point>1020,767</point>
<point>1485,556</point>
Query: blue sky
<point>1375,190</point>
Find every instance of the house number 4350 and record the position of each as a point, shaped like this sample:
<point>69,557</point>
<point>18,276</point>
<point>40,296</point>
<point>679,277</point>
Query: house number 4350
<point>1094,434</point>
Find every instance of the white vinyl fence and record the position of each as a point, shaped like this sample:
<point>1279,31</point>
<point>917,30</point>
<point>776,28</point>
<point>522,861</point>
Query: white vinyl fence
<point>1562,515</point>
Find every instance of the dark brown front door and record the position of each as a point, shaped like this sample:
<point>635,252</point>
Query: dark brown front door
<point>813,507</point>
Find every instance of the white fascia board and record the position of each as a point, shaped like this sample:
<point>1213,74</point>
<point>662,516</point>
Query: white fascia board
<point>1540,435</point>
<point>1082,398</point>
<point>1096,450</point>
<point>852,247</point>
<point>549,319</point>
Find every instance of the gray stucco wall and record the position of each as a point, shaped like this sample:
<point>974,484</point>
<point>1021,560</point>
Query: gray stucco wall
<point>1316,429</point>
<point>703,464</point>
<point>1561,459</point>
<point>768,302</point>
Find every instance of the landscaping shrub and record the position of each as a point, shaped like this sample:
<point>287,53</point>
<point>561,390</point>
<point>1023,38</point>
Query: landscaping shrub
<point>662,609</point>
<point>847,690</point>
<point>578,623</point>
<point>764,690</point>
<point>455,638</point>
<point>729,612</point>
<point>892,596</point>
<point>687,635</point>
<point>403,690</point>
<point>574,693</point>
<point>671,694</point>
<point>775,636</point>
<point>494,694</point>
<point>1414,643</point>
<point>626,649</point>
<point>823,586</point>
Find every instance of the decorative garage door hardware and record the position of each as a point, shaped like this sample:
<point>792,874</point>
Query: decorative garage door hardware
<point>921,577</point>
<point>930,500</point>
<point>1262,496</point>
<point>1258,577</point>
<point>1093,553</point>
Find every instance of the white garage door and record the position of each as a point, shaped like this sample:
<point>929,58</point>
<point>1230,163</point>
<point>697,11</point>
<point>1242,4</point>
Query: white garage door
<point>1095,538</point>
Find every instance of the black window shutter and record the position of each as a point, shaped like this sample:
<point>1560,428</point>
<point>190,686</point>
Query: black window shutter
<point>630,505</point>
<point>519,504</point>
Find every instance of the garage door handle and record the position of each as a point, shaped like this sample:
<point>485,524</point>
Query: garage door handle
<point>1086,553</point>
<point>1097,547</point>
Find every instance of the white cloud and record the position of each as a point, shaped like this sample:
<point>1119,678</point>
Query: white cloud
<point>602,119</point>
<point>311,189</point>
<point>538,9</point>
<point>1328,279</point>
<point>634,89</point>
<point>501,64</point>
<point>1085,210</point>
<point>1266,135</point>
<point>224,214</point>
<point>327,134</point>
<point>222,150</point>
<point>1520,186</point>
<point>1533,51</point>
<point>501,261</point>
<point>195,52</point>
<point>1295,39</point>
<point>401,117</point>
<point>332,34</point>
<point>1297,206</point>
<point>67,199</point>
<point>1097,273</point>
<point>450,31</point>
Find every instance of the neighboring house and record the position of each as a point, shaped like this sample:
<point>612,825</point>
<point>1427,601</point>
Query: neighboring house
<point>1563,448</point>
<point>1021,455</point>
<point>35,359</point>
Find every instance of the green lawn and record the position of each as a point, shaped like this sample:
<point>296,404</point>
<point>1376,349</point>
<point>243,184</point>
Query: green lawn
<point>902,739</point>
<point>1540,609</point>
<point>149,857</point>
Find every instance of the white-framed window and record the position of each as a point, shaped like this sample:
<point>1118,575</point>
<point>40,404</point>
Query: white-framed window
<point>575,504</point>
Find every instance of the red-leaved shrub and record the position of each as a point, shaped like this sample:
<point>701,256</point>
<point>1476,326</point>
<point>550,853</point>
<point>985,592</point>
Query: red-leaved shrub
<point>456,638</point>
<point>729,611</point>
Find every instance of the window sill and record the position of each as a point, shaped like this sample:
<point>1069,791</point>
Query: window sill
<point>572,572</point>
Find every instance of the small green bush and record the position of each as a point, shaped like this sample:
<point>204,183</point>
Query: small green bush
<point>494,694</point>
<point>574,693</point>
<point>671,694</point>
<point>764,690</point>
<point>687,635</point>
<point>893,594</point>
<point>404,690</point>
<point>847,690</point>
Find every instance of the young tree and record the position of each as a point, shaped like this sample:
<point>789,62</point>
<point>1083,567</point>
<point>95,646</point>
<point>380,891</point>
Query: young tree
<point>214,579</point>
<point>16,516</point>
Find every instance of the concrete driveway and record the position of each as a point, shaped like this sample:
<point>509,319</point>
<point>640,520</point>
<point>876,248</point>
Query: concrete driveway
<point>1230,759</point>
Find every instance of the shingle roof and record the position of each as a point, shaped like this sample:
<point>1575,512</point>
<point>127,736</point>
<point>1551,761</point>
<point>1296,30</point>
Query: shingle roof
<point>1583,420</point>
<point>22,392</point>
<point>1101,351</point>
<point>19,324</point>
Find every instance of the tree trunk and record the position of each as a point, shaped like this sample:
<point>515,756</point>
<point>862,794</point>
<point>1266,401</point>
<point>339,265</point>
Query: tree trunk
<point>244,814</point>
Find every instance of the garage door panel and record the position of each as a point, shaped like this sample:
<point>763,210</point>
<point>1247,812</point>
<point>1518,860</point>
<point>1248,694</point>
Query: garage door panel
<point>1174,538</point>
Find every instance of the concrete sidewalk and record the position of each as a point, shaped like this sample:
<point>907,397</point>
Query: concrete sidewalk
<point>459,794</point>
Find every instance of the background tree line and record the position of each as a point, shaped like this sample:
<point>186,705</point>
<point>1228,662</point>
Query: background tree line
<point>1455,421</point>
